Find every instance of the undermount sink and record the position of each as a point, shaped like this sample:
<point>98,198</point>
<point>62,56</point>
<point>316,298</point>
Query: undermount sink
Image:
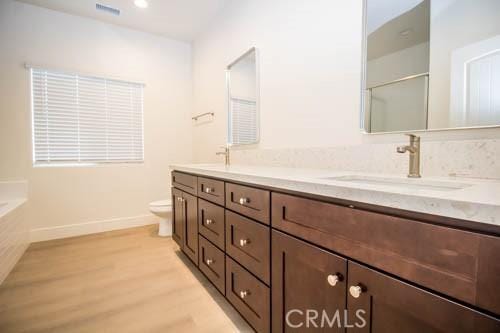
<point>420,184</point>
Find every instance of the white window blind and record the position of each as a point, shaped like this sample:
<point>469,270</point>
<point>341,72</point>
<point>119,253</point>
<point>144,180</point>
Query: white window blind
<point>243,123</point>
<point>84,119</point>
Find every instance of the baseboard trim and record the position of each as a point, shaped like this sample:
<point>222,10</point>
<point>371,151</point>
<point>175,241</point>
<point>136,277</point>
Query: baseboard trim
<point>72,230</point>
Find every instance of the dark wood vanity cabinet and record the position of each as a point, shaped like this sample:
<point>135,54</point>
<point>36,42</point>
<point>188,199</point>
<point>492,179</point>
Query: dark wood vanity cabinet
<point>458,263</point>
<point>211,190</point>
<point>211,222</point>
<point>224,229</point>
<point>248,201</point>
<point>177,217</point>
<point>212,263</point>
<point>185,182</point>
<point>185,223</point>
<point>378,303</point>
<point>249,242</point>
<point>294,264</point>
<point>305,278</point>
<point>248,295</point>
<point>190,244</point>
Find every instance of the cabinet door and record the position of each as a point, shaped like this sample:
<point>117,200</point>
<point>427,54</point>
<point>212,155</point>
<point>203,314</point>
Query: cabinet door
<point>390,305</point>
<point>177,217</point>
<point>190,244</point>
<point>308,282</point>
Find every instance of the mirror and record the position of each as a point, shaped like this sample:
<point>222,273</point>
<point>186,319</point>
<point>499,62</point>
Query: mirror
<point>430,65</point>
<point>243,101</point>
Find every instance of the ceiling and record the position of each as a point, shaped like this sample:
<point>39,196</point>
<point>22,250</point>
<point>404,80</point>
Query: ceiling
<point>379,12</point>
<point>178,19</point>
<point>389,38</point>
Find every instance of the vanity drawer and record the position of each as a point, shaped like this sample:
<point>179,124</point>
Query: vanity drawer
<point>248,242</point>
<point>248,201</point>
<point>458,263</point>
<point>248,295</point>
<point>185,182</point>
<point>211,222</point>
<point>211,190</point>
<point>212,264</point>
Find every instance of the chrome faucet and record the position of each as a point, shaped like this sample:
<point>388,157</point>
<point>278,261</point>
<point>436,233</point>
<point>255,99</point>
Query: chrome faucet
<point>414,149</point>
<point>227,160</point>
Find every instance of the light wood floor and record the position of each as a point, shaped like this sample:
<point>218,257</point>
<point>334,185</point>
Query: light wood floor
<point>119,281</point>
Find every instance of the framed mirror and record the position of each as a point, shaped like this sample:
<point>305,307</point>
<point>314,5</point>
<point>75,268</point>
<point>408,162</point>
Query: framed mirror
<point>430,65</point>
<point>243,100</point>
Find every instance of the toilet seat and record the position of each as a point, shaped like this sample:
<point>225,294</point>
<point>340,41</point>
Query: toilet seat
<point>163,209</point>
<point>161,203</point>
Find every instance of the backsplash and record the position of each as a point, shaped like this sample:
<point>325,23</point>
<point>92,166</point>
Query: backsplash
<point>465,158</point>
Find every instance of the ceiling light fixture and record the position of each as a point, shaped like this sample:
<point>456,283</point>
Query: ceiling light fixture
<point>141,3</point>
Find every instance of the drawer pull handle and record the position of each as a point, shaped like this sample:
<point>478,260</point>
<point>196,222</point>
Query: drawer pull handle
<point>209,190</point>
<point>356,291</point>
<point>180,199</point>
<point>333,279</point>
<point>244,294</point>
<point>244,201</point>
<point>209,262</point>
<point>244,242</point>
<point>209,222</point>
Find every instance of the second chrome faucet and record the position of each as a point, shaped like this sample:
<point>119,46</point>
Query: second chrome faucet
<point>414,150</point>
<point>227,159</point>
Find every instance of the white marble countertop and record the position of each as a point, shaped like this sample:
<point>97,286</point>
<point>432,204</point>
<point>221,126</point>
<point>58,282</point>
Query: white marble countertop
<point>478,201</point>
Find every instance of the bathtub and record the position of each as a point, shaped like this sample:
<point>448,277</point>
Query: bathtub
<point>9,205</point>
<point>14,228</point>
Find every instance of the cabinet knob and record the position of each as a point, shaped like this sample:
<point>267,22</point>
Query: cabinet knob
<point>208,190</point>
<point>244,294</point>
<point>244,242</point>
<point>209,222</point>
<point>356,291</point>
<point>333,279</point>
<point>244,201</point>
<point>209,262</point>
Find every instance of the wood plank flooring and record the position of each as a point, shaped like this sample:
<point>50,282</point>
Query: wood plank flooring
<point>120,281</point>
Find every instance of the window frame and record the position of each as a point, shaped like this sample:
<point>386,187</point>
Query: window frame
<point>81,163</point>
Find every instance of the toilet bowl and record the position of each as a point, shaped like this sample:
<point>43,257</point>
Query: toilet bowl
<point>163,209</point>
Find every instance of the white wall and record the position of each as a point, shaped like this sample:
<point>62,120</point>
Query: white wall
<point>310,68</point>
<point>478,20</point>
<point>406,62</point>
<point>398,106</point>
<point>73,195</point>
<point>243,80</point>
<point>295,79</point>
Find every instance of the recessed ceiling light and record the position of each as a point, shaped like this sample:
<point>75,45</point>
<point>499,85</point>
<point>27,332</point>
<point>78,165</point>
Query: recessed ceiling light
<point>141,3</point>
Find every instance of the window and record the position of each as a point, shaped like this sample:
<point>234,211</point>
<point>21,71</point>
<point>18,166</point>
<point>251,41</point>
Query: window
<point>243,122</point>
<point>85,119</point>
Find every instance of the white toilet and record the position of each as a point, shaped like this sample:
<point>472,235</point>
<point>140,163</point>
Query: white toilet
<point>163,209</point>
